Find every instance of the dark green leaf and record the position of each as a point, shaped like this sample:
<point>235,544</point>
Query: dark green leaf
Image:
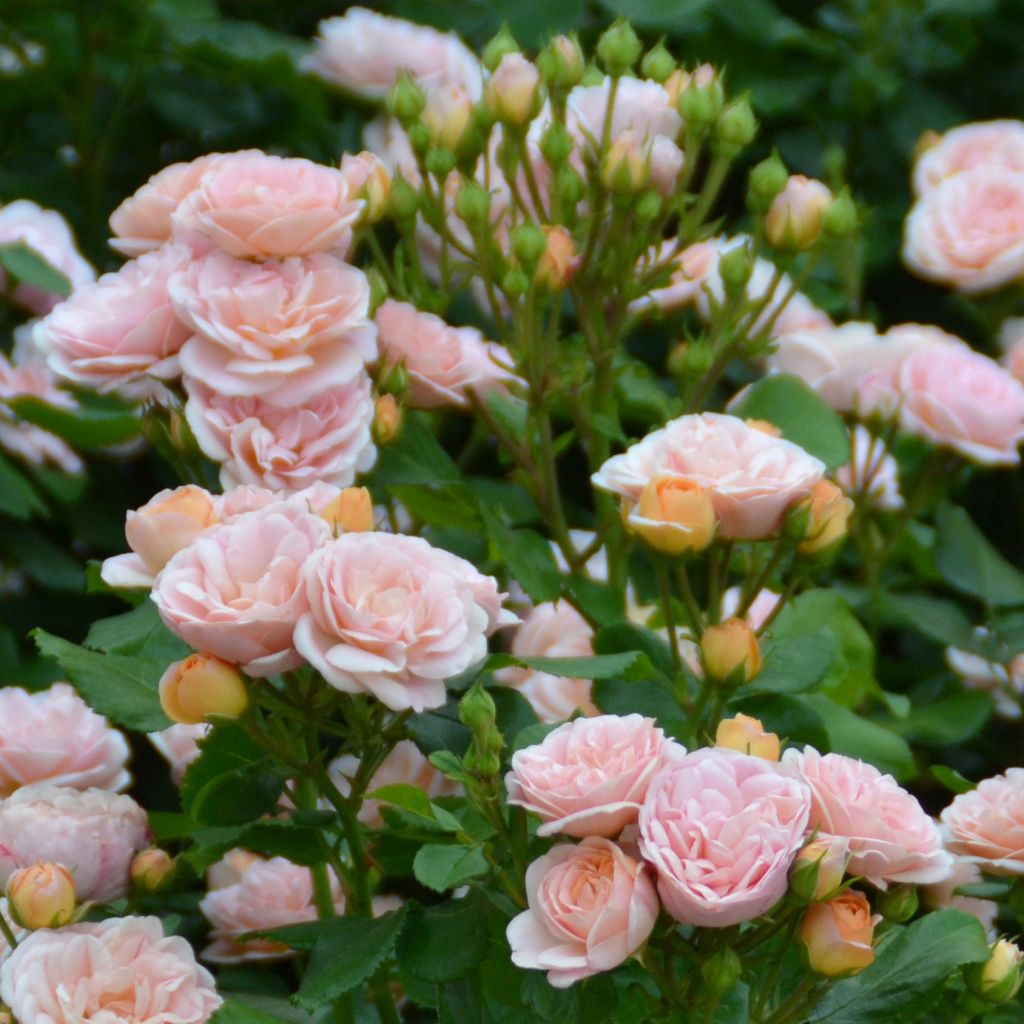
<point>947,721</point>
<point>856,736</point>
<point>443,942</point>
<point>415,457</point>
<point>99,423</point>
<point>139,632</point>
<point>952,779</point>
<point>968,561</point>
<point>796,663</point>
<point>446,866</point>
<point>942,621</point>
<point>628,665</point>
<point>28,267</point>
<point>528,557</point>
<point>18,498</point>
<point>236,1012</point>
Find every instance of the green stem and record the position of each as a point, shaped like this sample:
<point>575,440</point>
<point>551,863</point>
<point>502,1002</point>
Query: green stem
<point>665,586</point>
<point>693,612</point>
<point>797,1004</point>
<point>773,974</point>
<point>7,933</point>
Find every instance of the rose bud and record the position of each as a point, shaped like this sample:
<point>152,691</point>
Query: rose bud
<point>448,115</point>
<point>619,48</point>
<point>513,93</point>
<point>558,262</point>
<point>202,685</point>
<point>673,515</point>
<point>818,869</point>
<point>561,62</point>
<point>829,515</point>
<point>837,935</point>
<point>626,167</point>
<point>370,180</point>
<point>351,511</point>
<point>793,220</point>
<point>151,870</point>
<point>998,978</point>
<point>496,48</point>
<point>898,903</point>
<point>42,896</point>
<point>730,652</point>
<point>387,420</point>
<point>748,736</point>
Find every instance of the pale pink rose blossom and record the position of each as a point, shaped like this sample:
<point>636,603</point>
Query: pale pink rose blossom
<point>179,746</point>
<point>943,894</point>
<point>752,477</point>
<point>968,231</point>
<point>393,616</point>
<point>1005,683</point>
<point>981,144</point>
<point>872,475</point>
<point>891,838</point>
<point>250,498</point>
<point>270,207</point>
<point>236,592</point>
<point>721,830</point>
<point>92,832</point>
<point>284,331</point>
<point>116,971</point>
<point>591,907</point>
<point>47,234</point>
<point>53,736</point>
<point>120,333</point>
<point>760,610</point>
<point>986,824</point>
<point>553,629</point>
<point>324,439</point>
<point>404,765</point>
<point>640,106</point>
<point>364,51</point>
<point>444,363</point>
<point>589,777</point>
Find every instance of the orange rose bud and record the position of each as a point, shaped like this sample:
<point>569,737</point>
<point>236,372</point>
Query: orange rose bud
<point>558,262</point>
<point>838,934</point>
<point>387,419</point>
<point>748,736</point>
<point>169,522</point>
<point>793,220</point>
<point>830,511</point>
<point>819,867</point>
<point>730,653</point>
<point>42,896</point>
<point>673,515</point>
<point>351,511</point>
<point>151,870</point>
<point>202,685</point>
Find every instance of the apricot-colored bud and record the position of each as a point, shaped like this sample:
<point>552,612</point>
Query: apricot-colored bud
<point>674,515</point>
<point>42,896</point>
<point>513,93</point>
<point>765,427</point>
<point>387,419</point>
<point>626,167</point>
<point>838,934</point>
<point>748,736</point>
<point>730,652</point>
<point>998,978</point>
<point>448,115</point>
<point>829,516</point>
<point>169,522</point>
<point>202,685</point>
<point>559,261</point>
<point>351,511</point>
<point>151,869</point>
<point>818,869</point>
<point>793,220</point>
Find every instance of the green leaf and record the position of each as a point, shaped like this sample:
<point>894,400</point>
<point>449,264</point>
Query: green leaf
<point>951,779</point>
<point>909,972</point>
<point>443,942</point>
<point>626,636</point>
<point>948,721</point>
<point>796,663</point>
<point>628,665</point>
<point>527,555</point>
<point>273,837</point>
<point>42,560</point>
<point>124,688</point>
<point>415,457</point>
<point>30,268</point>
<point>970,563</point>
<point>856,736</point>
<point>445,866</point>
<point>939,620</point>
<point>235,1012</point>
<point>18,498</point>
<point>140,632</point>
<point>800,414</point>
<point>658,15</point>
<point>413,800</point>
<point>98,422</point>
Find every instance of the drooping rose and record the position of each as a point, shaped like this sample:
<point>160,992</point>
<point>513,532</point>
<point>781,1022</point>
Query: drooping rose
<point>981,144</point>
<point>986,824</point>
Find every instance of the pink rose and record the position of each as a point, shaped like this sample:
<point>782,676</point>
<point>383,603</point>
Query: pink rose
<point>266,207</point>
<point>47,234</point>
<point>891,837</point>
<point>968,231</point>
<point>752,476</point>
<point>721,829</point>
<point>120,333</point>
<point>959,399</point>
<point>986,824</point>
<point>444,362</point>
<point>591,908</point>
<point>118,970</point>
<point>93,833</point>
<point>872,475</point>
<point>364,51</point>
<point>168,522</point>
<point>759,612</point>
<point>178,745</point>
<point>944,894</point>
<point>392,616</point>
<point>640,106</point>
<point>325,439</point>
<point>589,777</point>
<point>54,736</point>
<point>237,592</point>
<point>982,144</point>
<point>284,331</point>
<point>552,630</point>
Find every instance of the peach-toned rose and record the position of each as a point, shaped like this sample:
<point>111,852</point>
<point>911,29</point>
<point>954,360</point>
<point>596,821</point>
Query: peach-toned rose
<point>404,764</point>
<point>591,907</point>
<point>264,207</point>
<point>721,829</point>
<point>752,477</point>
<point>237,591</point>
<point>891,837</point>
<point>168,522</point>
<point>590,776</point>
<point>981,144</point>
<point>968,231</point>
<point>794,219</point>
<point>42,896</point>
<point>325,438</point>
<point>838,934</point>
<point>553,629</point>
<point>200,686</point>
<point>986,824</point>
<point>673,515</point>
<point>871,476</point>
<point>116,971</point>
<point>829,512</point>
<point>444,362</point>
<point>760,610</point>
<point>729,651</point>
<point>120,333</point>
<point>47,234</point>
<point>944,894</point>
<point>960,399</point>
<point>393,616</point>
<point>179,746</point>
<point>364,51</point>
<point>285,331</point>
<point>748,736</point>
<point>54,736</point>
<point>93,833</point>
